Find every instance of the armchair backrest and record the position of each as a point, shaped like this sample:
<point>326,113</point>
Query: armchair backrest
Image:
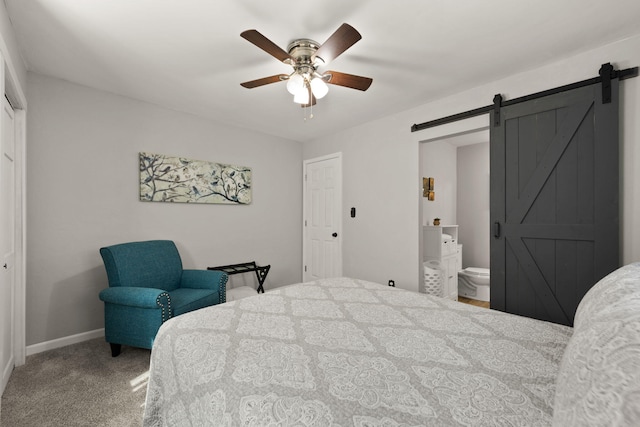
<point>150,264</point>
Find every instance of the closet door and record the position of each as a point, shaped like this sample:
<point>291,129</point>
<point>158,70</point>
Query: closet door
<point>554,202</point>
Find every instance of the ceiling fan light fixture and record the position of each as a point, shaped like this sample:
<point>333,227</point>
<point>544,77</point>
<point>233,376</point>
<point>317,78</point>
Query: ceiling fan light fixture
<point>319,87</point>
<point>301,97</point>
<point>295,84</point>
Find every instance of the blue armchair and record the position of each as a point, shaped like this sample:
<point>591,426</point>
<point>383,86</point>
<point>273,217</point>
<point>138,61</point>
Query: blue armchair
<point>147,286</point>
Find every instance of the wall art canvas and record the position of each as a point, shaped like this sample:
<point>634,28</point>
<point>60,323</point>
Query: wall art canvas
<point>176,179</point>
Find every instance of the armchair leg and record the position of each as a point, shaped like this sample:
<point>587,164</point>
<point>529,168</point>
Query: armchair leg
<point>115,349</point>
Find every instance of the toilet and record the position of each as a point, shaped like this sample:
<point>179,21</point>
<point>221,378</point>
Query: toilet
<point>473,282</point>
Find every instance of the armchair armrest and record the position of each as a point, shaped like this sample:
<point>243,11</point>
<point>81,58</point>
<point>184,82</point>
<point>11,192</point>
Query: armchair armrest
<point>204,279</point>
<point>136,297</point>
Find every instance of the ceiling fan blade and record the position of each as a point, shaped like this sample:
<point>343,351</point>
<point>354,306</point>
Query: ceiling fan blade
<point>343,38</point>
<point>349,80</point>
<point>264,81</point>
<point>265,44</point>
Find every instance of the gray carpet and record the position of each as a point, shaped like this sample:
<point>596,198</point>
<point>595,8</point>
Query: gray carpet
<point>78,385</point>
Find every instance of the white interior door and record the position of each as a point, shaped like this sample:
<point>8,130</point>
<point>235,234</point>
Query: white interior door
<point>7,242</point>
<point>322,246</point>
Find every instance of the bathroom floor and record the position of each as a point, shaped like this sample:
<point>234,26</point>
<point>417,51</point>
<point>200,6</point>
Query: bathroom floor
<point>484,304</point>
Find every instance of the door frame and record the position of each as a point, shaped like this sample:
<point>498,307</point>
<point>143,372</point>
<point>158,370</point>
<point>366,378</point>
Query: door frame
<point>11,86</point>
<point>8,254</point>
<point>465,126</point>
<point>338,207</point>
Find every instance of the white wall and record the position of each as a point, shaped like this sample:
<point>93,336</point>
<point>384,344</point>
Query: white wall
<point>439,163</point>
<point>382,157</point>
<point>473,204</point>
<point>83,193</point>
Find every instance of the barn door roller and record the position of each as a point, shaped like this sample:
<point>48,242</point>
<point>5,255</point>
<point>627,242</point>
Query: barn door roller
<point>497,103</point>
<point>606,74</point>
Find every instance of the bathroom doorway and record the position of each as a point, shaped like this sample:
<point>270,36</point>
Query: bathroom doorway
<point>459,166</point>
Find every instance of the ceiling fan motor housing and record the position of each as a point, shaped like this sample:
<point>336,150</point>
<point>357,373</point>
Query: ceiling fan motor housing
<point>301,50</point>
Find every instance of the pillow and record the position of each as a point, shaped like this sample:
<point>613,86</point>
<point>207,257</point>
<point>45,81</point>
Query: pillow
<point>598,381</point>
<point>600,301</point>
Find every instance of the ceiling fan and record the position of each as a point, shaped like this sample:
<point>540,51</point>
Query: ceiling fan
<point>306,83</point>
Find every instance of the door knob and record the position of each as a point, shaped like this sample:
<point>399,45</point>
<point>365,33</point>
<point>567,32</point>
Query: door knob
<point>335,234</point>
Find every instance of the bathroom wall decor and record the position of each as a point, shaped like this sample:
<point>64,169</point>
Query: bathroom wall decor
<point>177,179</point>
<point>427,188</point>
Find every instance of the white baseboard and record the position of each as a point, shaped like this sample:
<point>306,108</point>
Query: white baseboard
<point>5,378</point>
<point>61,342</point>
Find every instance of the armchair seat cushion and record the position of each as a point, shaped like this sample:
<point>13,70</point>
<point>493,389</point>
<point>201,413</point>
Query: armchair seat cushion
<point>184,300</point>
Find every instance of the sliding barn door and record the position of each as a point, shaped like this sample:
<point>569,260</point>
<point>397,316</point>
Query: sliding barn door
<point>554,201</point>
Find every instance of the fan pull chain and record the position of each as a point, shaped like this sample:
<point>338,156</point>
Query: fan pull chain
<point>304,112</point>
<point>310,104</point>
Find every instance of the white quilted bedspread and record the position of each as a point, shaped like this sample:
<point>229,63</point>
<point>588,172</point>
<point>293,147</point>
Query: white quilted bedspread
<point>345,352</point>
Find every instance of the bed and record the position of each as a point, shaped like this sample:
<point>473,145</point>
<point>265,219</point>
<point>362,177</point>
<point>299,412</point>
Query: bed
<point>347,352</point>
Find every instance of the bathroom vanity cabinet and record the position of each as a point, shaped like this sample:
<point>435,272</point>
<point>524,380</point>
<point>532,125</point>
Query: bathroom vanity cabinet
<point>441,258</point>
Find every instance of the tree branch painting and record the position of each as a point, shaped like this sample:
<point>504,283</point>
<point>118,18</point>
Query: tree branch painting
<point>179,180</point>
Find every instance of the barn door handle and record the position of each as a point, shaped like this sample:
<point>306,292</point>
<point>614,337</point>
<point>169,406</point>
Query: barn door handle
<point>496,230</point>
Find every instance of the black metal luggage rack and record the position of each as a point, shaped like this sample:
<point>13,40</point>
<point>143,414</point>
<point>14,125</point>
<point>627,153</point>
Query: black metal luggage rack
<point>246,267</point>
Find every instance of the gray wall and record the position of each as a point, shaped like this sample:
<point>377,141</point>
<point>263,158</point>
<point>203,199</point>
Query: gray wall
<point>82,193</point>
<point>439,162</point>
<point>473,204</point>
<point>382,183</point>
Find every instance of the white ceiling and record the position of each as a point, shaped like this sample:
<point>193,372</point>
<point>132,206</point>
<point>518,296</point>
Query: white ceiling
<point>188,55</point>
